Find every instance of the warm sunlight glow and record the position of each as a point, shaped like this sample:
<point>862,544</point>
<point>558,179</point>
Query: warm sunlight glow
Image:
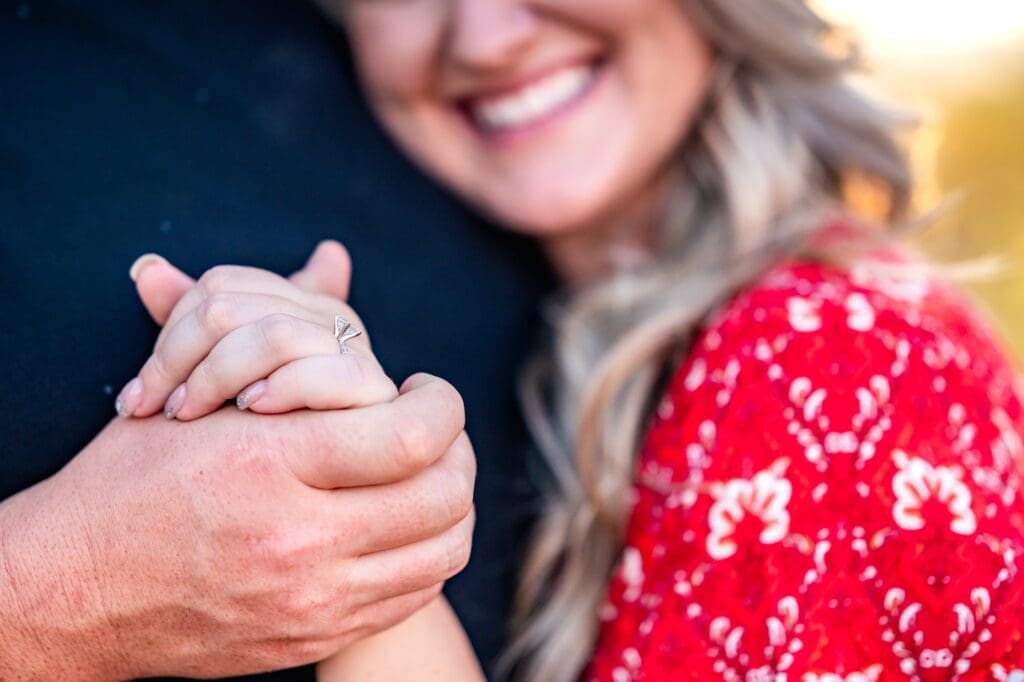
<point>929,29</point>
<point>960,66</point>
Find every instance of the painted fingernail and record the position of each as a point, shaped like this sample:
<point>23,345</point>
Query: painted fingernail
<point>251,394</point>
<point>142,262</point>
<point>174,403</point>
<point>129,398</point>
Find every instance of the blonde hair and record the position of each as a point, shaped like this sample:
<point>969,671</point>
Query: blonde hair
<point>759,172</point>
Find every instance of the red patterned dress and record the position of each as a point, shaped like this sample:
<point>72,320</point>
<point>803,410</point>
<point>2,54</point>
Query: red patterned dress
<point>830,492</point>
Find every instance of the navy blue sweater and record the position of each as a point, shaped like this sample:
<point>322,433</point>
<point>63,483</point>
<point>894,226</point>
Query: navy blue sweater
<point>233,132</point>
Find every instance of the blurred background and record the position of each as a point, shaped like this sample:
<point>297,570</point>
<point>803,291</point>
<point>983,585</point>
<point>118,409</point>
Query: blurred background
<point>961,67</point>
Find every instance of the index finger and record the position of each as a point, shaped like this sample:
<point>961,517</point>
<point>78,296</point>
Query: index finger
<point>408,511</point>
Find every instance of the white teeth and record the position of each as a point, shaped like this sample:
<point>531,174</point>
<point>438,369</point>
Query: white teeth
<point>533,102</point>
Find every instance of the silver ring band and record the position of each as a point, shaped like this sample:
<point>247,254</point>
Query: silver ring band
<point>344,331</point>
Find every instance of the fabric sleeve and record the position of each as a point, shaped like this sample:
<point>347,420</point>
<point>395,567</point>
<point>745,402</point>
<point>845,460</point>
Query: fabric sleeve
<point>830,490</point>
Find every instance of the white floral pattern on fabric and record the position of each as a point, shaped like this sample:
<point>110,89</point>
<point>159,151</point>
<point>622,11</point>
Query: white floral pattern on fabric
<point>871,674</point>
<point>803,315</point>
<point>764,497</point>
<point>830,491</point>
<point>917,482</point>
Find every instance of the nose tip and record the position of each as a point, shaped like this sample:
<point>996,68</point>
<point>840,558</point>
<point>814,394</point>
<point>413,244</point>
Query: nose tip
<point>489,34</point>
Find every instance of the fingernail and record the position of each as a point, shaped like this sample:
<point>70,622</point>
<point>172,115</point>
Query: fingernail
<point>251,394</point>
<point>129,398</point>
<point>175,402</point>
<point>142,262</point>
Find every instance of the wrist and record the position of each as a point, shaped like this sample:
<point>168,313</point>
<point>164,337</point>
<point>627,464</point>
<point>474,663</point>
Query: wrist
<point>26,654</point>
<point>49,623</point>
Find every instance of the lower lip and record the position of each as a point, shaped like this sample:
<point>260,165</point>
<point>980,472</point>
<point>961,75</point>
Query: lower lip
<point>508,136</point>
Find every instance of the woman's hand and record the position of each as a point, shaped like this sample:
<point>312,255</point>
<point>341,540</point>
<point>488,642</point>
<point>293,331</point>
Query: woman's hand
<point>432,647</point>
<point>250,335</point>
<point>227,545</point>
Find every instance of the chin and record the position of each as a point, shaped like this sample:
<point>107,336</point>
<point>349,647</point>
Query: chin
<point>577,192</point>
<point>539,225</point>
<point>549,214</point>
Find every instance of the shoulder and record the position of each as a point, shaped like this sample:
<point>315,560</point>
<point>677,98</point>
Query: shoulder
<point>810,348</point>
<point>835,435</point>
<point>837,310</point>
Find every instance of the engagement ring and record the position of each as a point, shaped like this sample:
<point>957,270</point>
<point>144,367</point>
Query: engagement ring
<point>343,331</point>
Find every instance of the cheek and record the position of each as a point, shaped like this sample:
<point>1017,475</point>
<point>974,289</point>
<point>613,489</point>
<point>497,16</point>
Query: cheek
<point>401,79</point>
<point>393,70</point>
<point>610,18</point>
<point>668,66</point>
<point>583,168</point>
<point>658,42</point>
<point>659,72</point>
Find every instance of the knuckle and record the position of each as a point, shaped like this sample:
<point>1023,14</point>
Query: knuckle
<point>282,551</point>
<point>464,459</point>
<point>457,552</point>
<point>316,445</point>
<point>206,378</point>
<point>279,331</point>
<point>458,491</point>
<point>342,594</point>
<point>451,402</point>
<point>296,602</point>
<point>217,313</point>
<point>157,369</point>
<point>215,279</point>
<point>345,619</point>
<point>297,651</point>
<point>431,593</point>
<point>413,441</point>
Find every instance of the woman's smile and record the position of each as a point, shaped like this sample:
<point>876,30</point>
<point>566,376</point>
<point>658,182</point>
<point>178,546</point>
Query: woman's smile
<point>552,116</point>
<point>514,113</point>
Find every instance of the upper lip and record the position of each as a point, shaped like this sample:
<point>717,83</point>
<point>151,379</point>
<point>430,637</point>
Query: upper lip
<point>518,82</point>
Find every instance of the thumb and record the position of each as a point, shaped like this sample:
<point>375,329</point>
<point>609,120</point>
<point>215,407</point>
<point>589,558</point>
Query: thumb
<point>160,285</point>
<point>328,271</point>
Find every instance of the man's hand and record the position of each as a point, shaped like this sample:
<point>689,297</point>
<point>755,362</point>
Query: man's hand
<point>235,543</point>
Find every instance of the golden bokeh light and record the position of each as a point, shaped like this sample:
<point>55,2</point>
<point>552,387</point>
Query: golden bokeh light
<point>961,65</point>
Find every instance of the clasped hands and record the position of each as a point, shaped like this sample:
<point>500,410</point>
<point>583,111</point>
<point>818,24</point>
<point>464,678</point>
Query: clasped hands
<point>221,542</point>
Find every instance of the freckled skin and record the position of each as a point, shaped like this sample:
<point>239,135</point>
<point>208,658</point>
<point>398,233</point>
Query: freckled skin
<point>582,169</point>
